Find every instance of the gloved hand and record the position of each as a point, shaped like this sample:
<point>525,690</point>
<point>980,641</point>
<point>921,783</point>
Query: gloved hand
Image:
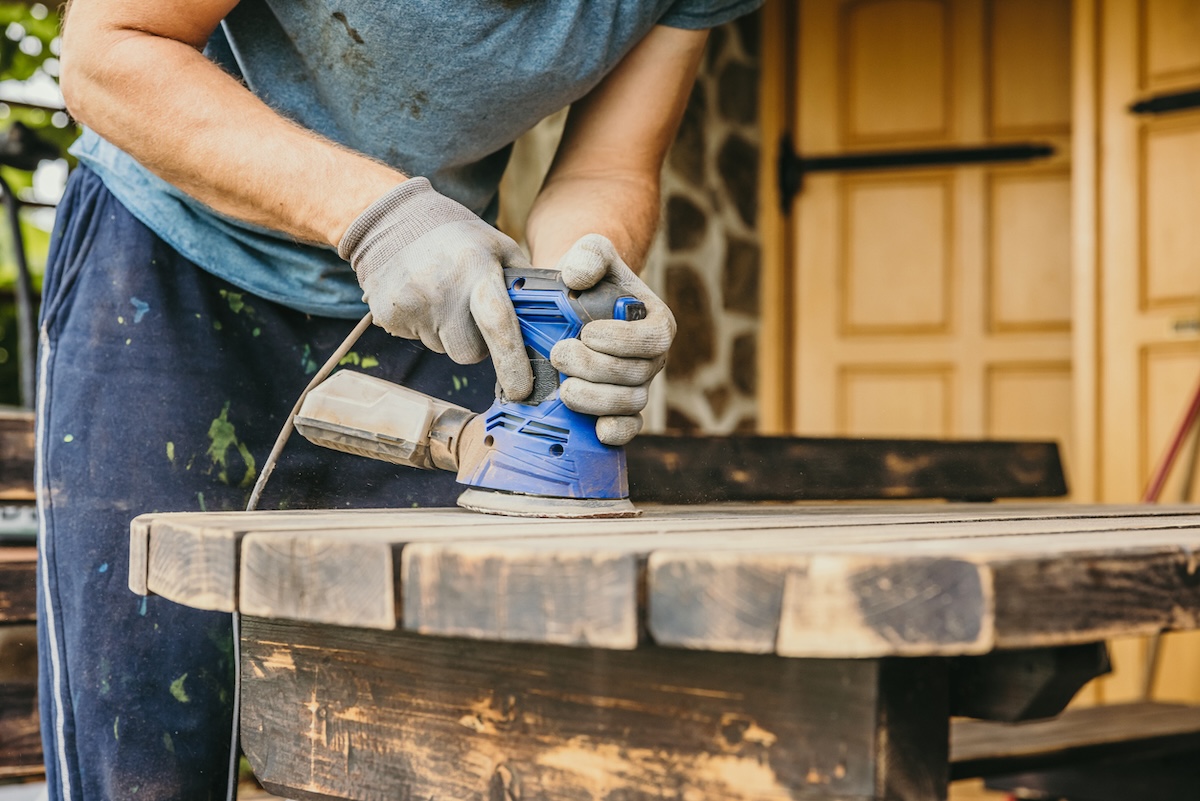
<point>431,270</point>
<point>611,364</point>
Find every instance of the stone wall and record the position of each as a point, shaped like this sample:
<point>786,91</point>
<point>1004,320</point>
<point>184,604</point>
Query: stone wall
<point>707,256</point>
<point>705,260</point>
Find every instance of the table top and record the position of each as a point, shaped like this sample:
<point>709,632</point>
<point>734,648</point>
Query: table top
<point>805,581</point>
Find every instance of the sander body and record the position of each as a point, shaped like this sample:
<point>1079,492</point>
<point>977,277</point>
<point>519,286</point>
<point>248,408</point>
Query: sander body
<point>530,458</point>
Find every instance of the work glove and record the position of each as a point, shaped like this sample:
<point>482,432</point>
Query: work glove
<point>432,270</point>
<point>611,364</point>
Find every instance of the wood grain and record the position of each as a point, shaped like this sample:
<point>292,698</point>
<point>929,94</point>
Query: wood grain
<point>330,712</point>
<point>18,584</point>
<point>1093,734</point>
<point>20,736</point>
<point>689,470</point>
<point>16,456</point>
<point>846,581</point>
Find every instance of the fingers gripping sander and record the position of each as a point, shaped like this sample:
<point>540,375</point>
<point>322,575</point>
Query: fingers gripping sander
<point>529,458</point>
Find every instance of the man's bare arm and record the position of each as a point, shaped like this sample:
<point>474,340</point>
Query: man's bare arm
<point>605,176</point>
<point>132,71</point>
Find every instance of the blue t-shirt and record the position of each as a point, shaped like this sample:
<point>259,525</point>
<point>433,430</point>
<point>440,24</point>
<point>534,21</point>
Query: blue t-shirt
<point>439,89</point>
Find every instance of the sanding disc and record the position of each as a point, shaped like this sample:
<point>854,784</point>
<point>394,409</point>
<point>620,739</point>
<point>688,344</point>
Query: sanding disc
<point>516,505</point>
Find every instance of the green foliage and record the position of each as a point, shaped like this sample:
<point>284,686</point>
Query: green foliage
<point>29,48</point>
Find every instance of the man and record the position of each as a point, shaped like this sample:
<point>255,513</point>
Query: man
<point>235,155</point>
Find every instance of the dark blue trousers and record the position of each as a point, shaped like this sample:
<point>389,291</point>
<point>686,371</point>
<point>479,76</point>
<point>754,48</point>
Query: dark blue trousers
<point>162,388</point>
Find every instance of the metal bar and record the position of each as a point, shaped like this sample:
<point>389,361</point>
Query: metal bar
<point>793,167</point>
<point>25,334</point>
<point>1166,103</point>
<point>950,156</point>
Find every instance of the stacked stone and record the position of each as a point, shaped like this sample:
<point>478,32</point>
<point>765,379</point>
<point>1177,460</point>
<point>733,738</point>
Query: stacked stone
<point>707,256</point>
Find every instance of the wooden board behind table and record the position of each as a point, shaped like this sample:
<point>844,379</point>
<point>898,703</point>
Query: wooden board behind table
<point>20,736</point>
<point>838,581</point>
<point>677,470</point>
<point>18,592</point>
<point>16,456</point>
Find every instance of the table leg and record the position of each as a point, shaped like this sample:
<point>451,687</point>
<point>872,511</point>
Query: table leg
<point>332,712</point>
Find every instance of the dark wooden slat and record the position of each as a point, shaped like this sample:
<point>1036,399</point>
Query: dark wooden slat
<point>1096,734</point>
<point>16,456</point>
<point>18,580</point>
<point>331,712</point>
<point>1170,778</point>
<point>680,470</point>
<point>20,739</point>
<point>20,736</point>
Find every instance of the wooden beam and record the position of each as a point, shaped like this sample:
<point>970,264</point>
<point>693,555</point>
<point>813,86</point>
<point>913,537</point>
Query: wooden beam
<point>690,470</point>
<point>1092,735</point>
<point>16,456</point>
<point>330,712</point>
<point>829,582</point>
<point>18,580</point>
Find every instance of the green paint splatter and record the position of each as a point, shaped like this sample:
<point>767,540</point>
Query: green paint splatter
<point>307,362</point>
<point>369,361</point>
<point>197,316</point>
<point>217,325</point>
<point>350,358</point>
<point>128,341</point>
<point>200,498</point>
<point>223,436</point>
<point>459,383</point>
<point>177,690</point>
<point>168,743</point>
<point>256,332</point>
<point>171,452</point>
<point>120,320</point>
<point>236,304</point>
<point>117,727</point>
<point>69,438</point>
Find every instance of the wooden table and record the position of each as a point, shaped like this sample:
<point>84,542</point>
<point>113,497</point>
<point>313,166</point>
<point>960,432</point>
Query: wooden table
<point>732,652</point>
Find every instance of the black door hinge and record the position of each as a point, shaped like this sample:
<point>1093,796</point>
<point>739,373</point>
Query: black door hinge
<point>793,167</point>
<point>1165,103</point>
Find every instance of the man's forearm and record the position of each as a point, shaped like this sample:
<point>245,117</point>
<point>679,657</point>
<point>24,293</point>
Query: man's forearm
<point>622,208</point>
<point>180,115</point>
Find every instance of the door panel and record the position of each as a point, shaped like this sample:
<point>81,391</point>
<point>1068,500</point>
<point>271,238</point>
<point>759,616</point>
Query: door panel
<point>1148,274</point>
<point>925,296</point>
<point>897,76</point>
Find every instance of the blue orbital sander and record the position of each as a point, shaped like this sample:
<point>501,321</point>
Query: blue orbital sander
<point>528,458</point>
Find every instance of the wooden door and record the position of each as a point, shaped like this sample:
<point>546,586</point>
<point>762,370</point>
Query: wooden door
<point>1143,305</point>
<point>933,302</point>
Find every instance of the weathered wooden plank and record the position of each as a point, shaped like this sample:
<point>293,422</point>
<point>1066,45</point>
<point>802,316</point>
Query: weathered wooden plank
<point>16,456</point>
<point>345,578</point>
<point>1094,734</point>
<point>725,579</point>
<point>192,557</point>
<point>710,595</point>
<point>585,598</point>
<point>205,581</point>
<point>20,738</point>
<point>1167,778</point>
<point>751,468</point>
<point>330,712</point>
<point>18,584</point>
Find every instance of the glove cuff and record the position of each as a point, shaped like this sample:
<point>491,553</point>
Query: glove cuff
<point>399,218</point>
